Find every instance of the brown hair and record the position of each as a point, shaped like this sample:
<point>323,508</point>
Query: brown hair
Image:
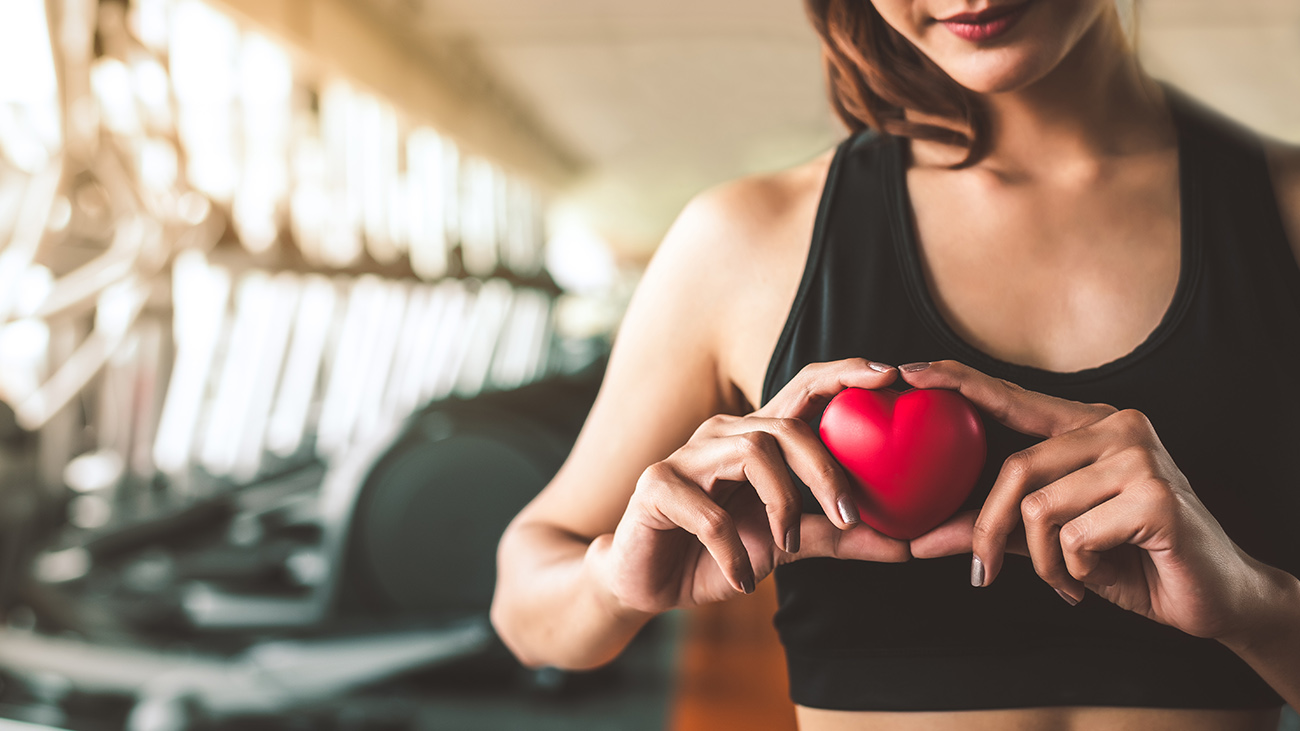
<point>874,74</point>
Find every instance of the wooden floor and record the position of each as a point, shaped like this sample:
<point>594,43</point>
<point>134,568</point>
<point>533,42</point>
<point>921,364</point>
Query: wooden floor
<point>732,673</point>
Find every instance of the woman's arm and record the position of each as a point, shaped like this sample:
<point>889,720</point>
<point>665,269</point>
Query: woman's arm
<point>662,382</point>
<point>1271,642</point>
<point>669,499</point>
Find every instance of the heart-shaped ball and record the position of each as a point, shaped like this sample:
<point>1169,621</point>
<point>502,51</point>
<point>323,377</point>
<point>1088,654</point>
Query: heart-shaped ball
<point>914,456</point>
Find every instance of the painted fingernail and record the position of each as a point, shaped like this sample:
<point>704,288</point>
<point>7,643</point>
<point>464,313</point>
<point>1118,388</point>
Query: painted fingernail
<point>792,541</point>
<point>976,571</point>
<point>1068,599</point>
<point>880,367</point>
<point>849,512</point>
<point>913,367</point>
<point>747,586</point>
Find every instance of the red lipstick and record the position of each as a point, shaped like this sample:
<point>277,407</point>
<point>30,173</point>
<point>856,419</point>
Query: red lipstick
<point>986,24</point>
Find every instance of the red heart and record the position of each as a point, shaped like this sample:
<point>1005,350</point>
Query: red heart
<point>915,456</point>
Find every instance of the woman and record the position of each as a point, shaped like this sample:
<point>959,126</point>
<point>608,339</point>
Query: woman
<point>1037,212</point>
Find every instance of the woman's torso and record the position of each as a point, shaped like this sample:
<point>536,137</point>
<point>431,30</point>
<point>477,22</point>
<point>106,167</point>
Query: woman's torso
<point>1128,305</point>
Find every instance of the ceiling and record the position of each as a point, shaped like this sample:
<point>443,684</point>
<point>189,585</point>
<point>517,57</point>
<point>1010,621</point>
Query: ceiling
<point>662,99</point>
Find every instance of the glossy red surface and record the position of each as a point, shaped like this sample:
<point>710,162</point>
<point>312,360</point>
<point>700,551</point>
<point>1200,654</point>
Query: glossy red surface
<point>914,456</point>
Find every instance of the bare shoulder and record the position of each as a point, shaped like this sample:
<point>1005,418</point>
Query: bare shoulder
<point>734,240</point>
<point>750,214</point>
<point>740,248</point>
<point>770,198</point>
<point>722,254</point>
<point>1284,161</point>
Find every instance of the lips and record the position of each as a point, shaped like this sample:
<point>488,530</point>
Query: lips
<point>985,24</point>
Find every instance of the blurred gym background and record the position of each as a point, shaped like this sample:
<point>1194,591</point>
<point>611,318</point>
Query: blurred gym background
<point>302,300</point>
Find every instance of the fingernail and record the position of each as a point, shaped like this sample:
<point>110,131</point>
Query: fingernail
<point>792,541</point>
<point>976,571</point>
<point>1068,599</point>
<point>748,586</point>
<point>913,367</point>
<point>849,512</point>
<point>880,367</point>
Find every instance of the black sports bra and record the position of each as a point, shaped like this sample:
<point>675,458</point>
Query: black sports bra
<point>917,636</point>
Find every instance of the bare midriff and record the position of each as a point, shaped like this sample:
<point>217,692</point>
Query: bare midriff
<point>1041,719</point>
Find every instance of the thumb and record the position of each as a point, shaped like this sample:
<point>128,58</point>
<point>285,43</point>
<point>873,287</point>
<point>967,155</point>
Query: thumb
<point>823,539</point>
<point>956,536</point>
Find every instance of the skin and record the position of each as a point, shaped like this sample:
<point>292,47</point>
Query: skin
<point>676,492</point>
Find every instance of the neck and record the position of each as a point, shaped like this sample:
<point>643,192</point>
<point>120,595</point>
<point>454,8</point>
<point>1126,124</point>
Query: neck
<point>1096,103</point>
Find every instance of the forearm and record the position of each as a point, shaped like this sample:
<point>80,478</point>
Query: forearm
<point>550,607</point>
<point>1271,646</point>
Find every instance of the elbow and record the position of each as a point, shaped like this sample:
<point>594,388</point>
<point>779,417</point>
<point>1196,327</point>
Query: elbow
<point>500,616</point>
<point>534,651</point>
<point>504,613</point>
<point>538,613</point>
<point>514,615</point>
<point>536,642</point>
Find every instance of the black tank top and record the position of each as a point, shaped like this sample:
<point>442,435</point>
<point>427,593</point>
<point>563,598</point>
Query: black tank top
<point>1217,378</point>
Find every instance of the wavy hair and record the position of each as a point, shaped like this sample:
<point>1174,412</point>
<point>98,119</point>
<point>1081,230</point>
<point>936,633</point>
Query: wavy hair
<point>874,74</point>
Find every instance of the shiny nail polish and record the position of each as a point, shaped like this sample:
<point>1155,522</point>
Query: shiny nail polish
<point>879,367</point>
<point>913,367</point>
<point>849,512</point>
<point>976,571</point>
<point>792,541</point>
<point>748,586</point>
<point>1068,599</point>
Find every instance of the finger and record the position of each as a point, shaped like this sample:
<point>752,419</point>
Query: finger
<point>752,457</point>
<point>809,391</point>
<point>1028,412</point>
<point>823,539</point>
<point>1022,473</point>
<point>680,502</point>
<point>1046,462</point>
<point>955,536</point>
<point>951,538</point>
<point>1141,512</point>
<point>805,454</point>
<point>1045,511</point>
<point>1094,569</point>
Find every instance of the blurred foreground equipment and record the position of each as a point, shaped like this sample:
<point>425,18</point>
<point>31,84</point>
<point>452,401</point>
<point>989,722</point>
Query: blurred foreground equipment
<point>378,566</point>
<point>276,368</point>
<point>434,506</point>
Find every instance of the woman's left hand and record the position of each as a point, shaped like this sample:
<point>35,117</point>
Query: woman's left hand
<point>1102,507</point>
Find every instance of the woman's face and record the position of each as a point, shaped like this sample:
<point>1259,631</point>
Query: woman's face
<point>992,46</point>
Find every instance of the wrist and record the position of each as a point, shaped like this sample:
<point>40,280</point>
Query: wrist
<point>1271,615</point>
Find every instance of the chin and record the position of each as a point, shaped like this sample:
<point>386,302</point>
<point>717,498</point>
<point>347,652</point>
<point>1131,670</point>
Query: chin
<point>999,71</point>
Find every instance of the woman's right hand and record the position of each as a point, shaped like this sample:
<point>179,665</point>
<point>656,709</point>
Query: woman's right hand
<point>722,512</point>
